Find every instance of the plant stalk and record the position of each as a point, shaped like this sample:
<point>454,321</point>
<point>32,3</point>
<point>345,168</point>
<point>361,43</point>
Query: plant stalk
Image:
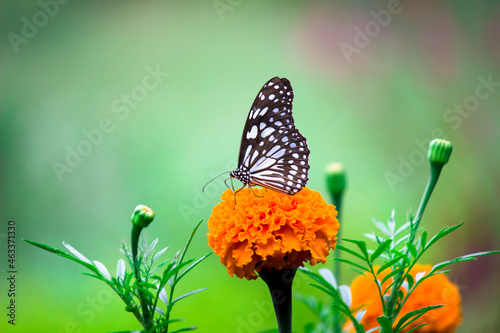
<point>136,232</point>
<point>279,283</point>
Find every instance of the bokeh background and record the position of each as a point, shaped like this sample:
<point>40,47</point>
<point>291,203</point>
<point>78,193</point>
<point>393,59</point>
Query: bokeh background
<point>371,90</point>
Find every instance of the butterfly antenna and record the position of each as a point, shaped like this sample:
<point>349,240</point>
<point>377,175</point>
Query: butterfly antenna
<point>203,188</point>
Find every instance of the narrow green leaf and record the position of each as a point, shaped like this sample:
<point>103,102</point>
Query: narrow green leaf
<point>423,239</point>
<point>389,264</point>
<point>361,245</point>
<point>354,253</point>
<point>402,228</point>
<point>193,265</point>
<point>443,232</point>
<point>391,274</point>
<point>380,249</point>
<point>62,254</point>
<point>185,329</point>
<point>411,248</point>
<point>410,281</point>
<point>351,263</point>
<point>188,294</point>
<point>416,313</point>
<point>417,327</point>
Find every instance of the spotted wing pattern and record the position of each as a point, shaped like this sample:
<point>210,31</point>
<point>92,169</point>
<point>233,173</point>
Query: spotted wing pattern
<point>273,153</point>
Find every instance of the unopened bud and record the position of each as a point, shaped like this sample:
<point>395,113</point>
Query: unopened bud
<point>142,216</point>
<point>439,151</point>
<point>335,177</point>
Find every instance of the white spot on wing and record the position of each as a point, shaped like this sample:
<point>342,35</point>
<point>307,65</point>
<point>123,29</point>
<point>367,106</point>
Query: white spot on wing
<point>267,132</point>
<point>253,133</point>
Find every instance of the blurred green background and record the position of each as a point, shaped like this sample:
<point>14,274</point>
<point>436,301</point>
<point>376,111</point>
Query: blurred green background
<point>371,90</point>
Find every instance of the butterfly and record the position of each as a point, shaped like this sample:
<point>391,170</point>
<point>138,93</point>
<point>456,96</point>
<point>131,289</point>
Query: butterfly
<point>273,153</point>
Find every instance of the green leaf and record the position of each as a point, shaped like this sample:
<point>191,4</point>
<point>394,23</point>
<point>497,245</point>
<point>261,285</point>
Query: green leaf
<point>389,263</point>
<point>423,239</point>
<point>467,257</point>
<point>410,281</point>
<point>411,248</point>
<point>416,328</point>
<point>185,329</point>
<point>62,254</point>
<point>414,315</point>
<point>351,263</point>
<point>385,323</point>
<point>188,294</point>
<point>380,249</point>
<point>193,265</point>
<point>443,232</point>
<point>391,274</point>
<point>354,253</point>
<point>361,245</point>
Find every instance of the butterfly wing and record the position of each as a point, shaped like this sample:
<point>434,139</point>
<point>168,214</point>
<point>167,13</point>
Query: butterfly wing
<point>272,150</point>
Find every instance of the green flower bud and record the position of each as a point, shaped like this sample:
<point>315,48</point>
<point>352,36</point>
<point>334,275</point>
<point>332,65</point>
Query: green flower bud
<point>439,151</point>
<point>335,177</point>
<point>142,216</point>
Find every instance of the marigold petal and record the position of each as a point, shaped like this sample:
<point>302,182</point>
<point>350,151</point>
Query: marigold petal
<point>270,229</point>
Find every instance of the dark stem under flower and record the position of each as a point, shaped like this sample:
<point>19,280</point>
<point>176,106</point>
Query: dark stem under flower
<point>279,283</point>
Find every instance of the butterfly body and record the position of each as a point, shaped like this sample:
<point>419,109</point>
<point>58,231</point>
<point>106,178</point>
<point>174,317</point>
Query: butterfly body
<point>273,153</point>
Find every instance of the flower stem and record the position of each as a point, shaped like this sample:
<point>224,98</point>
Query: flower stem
<point>279,283</point>
<point>136,232</point>
<point>431,183</point>
<point>337,201</point>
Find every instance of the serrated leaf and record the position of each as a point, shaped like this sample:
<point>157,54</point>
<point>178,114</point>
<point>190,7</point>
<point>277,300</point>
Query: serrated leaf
<point>328,276</point>
<point>345,294</point>
<point>380,249</point>
<point>120,270</point>
<point>102,270</point>
<point>76,253</point>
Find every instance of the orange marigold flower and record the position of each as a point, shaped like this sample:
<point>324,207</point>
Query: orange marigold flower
<point>432,291</point>
<point>269,229</point>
